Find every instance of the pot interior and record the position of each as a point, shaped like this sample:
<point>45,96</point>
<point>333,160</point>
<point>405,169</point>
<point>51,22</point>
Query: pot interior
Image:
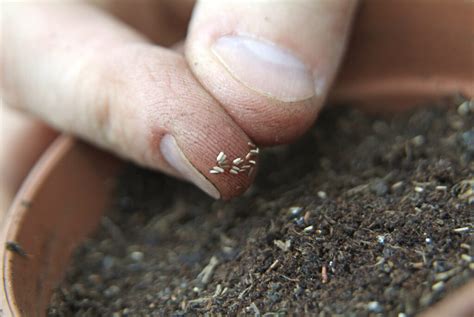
<point>61,203</point>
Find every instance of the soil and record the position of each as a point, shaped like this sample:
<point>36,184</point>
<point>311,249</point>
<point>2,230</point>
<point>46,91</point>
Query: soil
<point>363,216</point>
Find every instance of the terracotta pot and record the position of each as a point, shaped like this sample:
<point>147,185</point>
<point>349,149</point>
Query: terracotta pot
<point>402,52</point>
<point>60,203</point>
<point>405,52</point>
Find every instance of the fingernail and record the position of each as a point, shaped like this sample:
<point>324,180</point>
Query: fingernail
<point>175,157</point>
<point>265,67</point>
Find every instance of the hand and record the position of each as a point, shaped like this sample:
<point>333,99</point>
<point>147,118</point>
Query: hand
<point>252,71</point>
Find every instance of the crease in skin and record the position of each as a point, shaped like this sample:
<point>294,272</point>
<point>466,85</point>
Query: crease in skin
<point>176,158</point>
<point>265,67</point>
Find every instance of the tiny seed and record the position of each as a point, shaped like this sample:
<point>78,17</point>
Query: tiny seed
<point>236,168</point>
<point>219,169</point>
<point>252,162</point>
<point>237,161</point>
<point>251,144</point>
<point>466,257</point>
<point>245,167</point>
<point>221,157</point>
<point>248,156</point>
<point>214,172</point>
<point>441,187</point>
<point>232,171</point>
<point>255,151</point>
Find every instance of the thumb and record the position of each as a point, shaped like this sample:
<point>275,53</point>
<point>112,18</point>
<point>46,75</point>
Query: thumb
<point>269,63</point>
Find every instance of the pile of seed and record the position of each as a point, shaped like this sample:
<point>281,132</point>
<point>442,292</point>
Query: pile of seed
<point>363,216</point>
<point>239,165</point>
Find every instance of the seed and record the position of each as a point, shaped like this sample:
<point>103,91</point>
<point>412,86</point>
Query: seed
<point>222,162</point>
<point>467,257</point>
<point>214,172</point>
<point>465,246</point>
<point>245,167</point>
<point>221,157</point>
<point>235,168</point>
<point>248,156</point>
<point>252,162</point>
<point>255,151</point>
<point>251,144</point>
<point>237,161</point>
<point>308,229</point>
<point>219,169</point>
<point>441,187</point>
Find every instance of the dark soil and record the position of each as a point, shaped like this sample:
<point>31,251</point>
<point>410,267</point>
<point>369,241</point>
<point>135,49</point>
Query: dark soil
<point>363,216</point>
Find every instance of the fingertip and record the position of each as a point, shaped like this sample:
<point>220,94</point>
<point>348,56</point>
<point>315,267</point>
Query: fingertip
<point>176,159</point>
<point>222,174</point>
<point>270,64</point>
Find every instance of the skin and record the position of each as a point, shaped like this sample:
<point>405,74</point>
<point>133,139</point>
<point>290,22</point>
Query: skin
<point>107,71</point>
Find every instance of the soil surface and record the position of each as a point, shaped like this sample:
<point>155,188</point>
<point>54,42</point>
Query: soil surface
<point>363,216</point>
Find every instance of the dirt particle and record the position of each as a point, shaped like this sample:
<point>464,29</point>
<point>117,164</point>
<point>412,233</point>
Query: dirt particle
<point>295,211</point>
<point>284,246</point>
<point>112,291</point>
<point>16,248</point>
<point>375,307</point>
<point>379,187</point>
<point>206,274</point>
<point>322,194</point>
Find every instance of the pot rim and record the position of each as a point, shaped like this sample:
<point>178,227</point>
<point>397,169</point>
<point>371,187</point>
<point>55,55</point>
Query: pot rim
<point>13,218</point>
